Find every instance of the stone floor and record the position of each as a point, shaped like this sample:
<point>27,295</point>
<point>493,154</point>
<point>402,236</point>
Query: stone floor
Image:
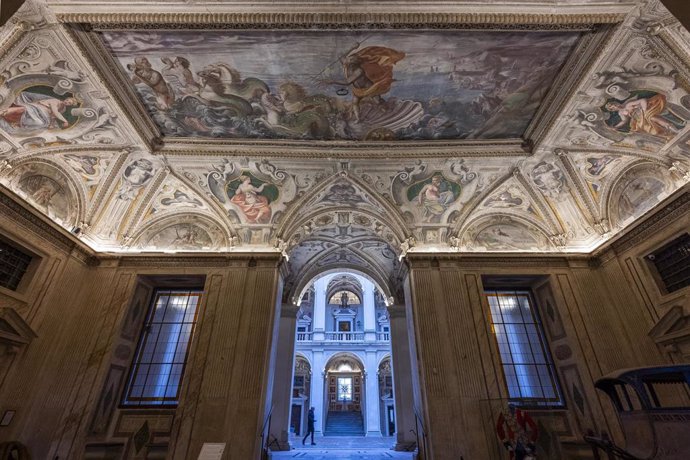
<point>343,448</point>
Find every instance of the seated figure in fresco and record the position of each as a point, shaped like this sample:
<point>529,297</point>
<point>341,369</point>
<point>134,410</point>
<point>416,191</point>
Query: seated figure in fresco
<point>644,112</point>
<point>36,111</point>
<point>255,207</point>
<point>434,199</point>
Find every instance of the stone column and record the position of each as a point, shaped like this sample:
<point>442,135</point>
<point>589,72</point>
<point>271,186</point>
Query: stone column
<point>317,390</point>
<point>372,397</point>
<point>402,378</point>
<point>369,306</point>
<point>283,377</point>
<point>320,309</point>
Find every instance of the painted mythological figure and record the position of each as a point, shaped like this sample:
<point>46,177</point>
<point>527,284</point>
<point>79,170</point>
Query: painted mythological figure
<point>36,111</point>
<point>645,112</point>
<point>369,71</point>
<point>254,206</point>
<point>434,198</point>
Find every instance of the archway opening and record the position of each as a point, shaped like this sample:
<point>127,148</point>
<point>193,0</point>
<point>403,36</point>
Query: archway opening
<point>343,335</point>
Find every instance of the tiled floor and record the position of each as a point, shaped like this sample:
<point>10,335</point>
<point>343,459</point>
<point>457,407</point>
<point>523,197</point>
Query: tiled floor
<point>343,448</point>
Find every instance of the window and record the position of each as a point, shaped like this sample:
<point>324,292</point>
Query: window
<point>672,262</point>
<point>13,265</point>
<point>156,375</point>
<point>527,365</point>
<point>344,388</point>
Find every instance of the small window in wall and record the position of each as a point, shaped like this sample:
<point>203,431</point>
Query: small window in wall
<point>672,263</point>
<point>529,371</point>
<point>156,375</point>
<point>344,388</point>
<point>13,265</point>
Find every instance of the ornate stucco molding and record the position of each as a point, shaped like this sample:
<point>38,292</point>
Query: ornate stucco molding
<point>576,70</point>
<point>345,149</point>
<point>230,260</point>
<point>677,207</point>
<point>336,15</point>
<point>12,209</point>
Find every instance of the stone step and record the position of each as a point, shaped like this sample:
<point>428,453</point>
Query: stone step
<point>344,424</point>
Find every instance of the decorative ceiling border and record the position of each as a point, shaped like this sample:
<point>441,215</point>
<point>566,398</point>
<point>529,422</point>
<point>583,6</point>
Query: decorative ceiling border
<point>575,70</point>
<point>94,51</point>
<point>341,19</point>
<point>345,149</point>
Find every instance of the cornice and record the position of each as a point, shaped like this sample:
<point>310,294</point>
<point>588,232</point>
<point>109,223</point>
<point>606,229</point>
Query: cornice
<point>16,210</point>
<point>666,214</point>
<point>98,58</point>
<point>485,262</point>
<point>19,29</point>
<point>372,16</point>
<point>197,260</point>
<point>345,149</point>
<point>576,70</point>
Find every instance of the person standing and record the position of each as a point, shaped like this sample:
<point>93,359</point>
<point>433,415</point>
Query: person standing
<point>310,427</point>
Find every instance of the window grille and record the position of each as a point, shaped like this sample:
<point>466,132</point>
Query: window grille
<point>527,366</point>
<point>344,388</point>
<point>672,262</point>
<point>13,265</point>
<point>156,375</point>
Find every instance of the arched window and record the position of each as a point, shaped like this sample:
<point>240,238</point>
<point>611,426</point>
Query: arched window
<point>351,297</point>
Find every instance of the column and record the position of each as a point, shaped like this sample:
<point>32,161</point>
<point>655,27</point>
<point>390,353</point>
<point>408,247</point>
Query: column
<point>283,377</point>
<point>369,306</point>
<point>402,378</point>
<point>372,397</point>
<point>320,308</point>
<point>317,390</point>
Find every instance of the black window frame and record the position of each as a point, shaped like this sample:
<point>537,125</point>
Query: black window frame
<point>126,401</point>
<point>558,402</point>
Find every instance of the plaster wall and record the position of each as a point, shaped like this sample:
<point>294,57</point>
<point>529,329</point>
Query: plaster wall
<point>66,384</point>
<point>65,395</point>
<point>597,313</point>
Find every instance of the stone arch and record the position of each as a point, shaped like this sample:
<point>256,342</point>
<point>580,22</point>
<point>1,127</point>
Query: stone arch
<point>473,233</point>
<point>295,217</point>
<point>307,281</point>
<point>190,231</point>
<point>383,358</point>
<point>349,356</point>
<point>346,283</point>
<point>50,188</point>
<point>639,187</point>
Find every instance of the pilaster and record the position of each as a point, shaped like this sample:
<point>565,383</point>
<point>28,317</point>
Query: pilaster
<point>282,381</point>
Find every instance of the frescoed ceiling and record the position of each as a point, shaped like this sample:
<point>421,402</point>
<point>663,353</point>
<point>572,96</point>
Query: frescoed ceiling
<point>342,85</point>
<point>347,138</point>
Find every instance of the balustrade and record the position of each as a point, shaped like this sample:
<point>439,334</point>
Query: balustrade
<point>343,336</point>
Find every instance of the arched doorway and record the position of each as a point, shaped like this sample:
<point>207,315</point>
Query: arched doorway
<point>343,275</point>
<point>344,382</point>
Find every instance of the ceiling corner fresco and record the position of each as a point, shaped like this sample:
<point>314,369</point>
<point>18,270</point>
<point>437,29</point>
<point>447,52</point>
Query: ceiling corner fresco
<point>616,144</point>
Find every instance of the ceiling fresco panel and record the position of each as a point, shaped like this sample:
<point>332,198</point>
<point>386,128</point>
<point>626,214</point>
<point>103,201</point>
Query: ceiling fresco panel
<point>365,85</point>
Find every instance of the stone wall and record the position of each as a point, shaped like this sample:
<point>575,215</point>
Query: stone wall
<point>65,386</point>
<point>85,308</point>
<point>597,312</point>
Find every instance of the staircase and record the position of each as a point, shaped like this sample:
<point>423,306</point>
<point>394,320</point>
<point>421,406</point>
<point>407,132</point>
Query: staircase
<point>344,424</point>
